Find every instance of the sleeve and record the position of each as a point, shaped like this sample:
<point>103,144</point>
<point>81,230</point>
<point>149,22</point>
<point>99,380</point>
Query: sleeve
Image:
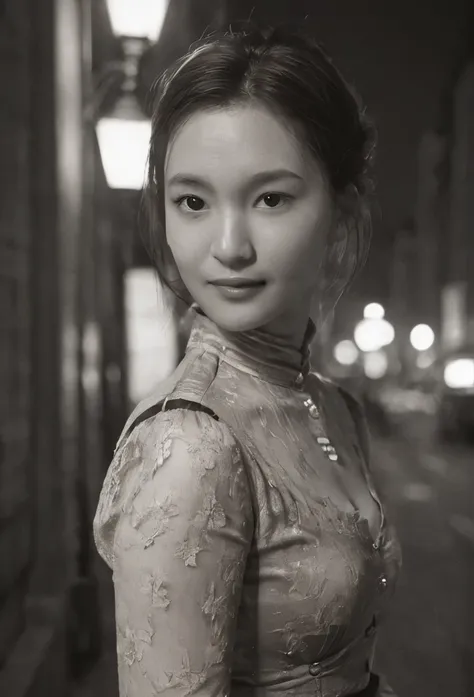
<point>177,535</point>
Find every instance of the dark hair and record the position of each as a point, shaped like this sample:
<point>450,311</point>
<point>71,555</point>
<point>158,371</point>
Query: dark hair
<point>292,75</point>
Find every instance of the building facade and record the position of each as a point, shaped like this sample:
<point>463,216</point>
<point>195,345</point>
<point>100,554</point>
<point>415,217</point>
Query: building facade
<point>457,270</point>
<point>61,351</point>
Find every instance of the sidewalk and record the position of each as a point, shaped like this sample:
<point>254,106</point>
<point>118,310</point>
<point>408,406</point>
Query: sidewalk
<point>102,679</point>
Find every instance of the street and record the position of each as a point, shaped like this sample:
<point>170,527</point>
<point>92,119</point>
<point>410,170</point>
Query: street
<point>426,646</point>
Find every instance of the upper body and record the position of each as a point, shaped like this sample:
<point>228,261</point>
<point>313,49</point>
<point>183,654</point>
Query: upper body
<point>244,559</point>
<point>250,551</point>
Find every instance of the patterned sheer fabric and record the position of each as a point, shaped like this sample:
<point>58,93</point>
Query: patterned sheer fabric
<point>247,558</point>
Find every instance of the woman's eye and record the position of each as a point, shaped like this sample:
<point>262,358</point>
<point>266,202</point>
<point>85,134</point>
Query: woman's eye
<point>193,203</point>
<point>274,200</point>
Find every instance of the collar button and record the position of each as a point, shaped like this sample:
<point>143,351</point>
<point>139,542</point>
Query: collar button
<point>299,380</point>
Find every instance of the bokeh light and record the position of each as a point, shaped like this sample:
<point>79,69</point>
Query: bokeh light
<point>346,353</point>
<point>373,334</point>
<point>459,373</point>
<point>375,364</point>
<point>422,337</point>
<point>374,311</point>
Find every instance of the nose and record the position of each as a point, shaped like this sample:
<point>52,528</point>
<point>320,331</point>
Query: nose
<point>232,245</point>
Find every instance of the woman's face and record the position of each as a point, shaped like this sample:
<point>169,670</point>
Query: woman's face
<point>245,205</point>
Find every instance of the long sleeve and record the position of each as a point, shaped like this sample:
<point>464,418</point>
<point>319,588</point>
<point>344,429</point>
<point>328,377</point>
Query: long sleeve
<point>175,523</point>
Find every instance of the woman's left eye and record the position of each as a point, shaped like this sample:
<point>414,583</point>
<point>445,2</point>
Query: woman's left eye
<point>274,200</point>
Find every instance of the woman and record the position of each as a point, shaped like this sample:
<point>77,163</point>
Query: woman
<point>250,551</point>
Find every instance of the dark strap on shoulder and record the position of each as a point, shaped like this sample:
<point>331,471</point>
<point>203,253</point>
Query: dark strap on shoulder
<point>169,406</point>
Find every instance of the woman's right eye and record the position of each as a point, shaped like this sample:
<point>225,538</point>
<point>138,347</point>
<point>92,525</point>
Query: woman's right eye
<point>194,204</point>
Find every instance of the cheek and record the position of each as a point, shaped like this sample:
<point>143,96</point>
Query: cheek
<point>186,242</point>
<point>300,249</point>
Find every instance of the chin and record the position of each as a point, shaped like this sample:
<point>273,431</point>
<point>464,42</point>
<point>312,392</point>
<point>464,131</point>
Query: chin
<point>239,316</point>
<point>236,324</point>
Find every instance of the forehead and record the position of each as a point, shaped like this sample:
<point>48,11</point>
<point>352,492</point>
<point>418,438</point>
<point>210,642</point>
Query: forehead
<point>242,139</point>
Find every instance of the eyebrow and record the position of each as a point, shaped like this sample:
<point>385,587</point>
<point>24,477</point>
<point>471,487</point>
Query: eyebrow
<point>254,180</point>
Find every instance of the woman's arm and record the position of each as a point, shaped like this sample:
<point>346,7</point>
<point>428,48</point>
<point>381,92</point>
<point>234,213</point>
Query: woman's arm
<point>183,528</point>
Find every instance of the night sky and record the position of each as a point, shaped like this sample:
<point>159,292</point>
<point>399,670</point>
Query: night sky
<point>399,55</point>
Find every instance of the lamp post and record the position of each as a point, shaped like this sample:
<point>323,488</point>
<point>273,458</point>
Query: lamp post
<point>124,133</point>
<point>120,133</point>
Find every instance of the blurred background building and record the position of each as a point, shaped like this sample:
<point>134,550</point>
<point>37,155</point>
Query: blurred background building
<point>86,330</point>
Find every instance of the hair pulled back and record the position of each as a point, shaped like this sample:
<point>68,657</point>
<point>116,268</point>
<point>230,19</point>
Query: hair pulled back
<point>291,75</point>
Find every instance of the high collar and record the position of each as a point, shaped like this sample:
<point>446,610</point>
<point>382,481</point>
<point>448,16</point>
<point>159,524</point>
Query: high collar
<point>256,351</point>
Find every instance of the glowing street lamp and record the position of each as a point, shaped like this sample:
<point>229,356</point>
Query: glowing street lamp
<point>138,18</point>
<point>124,136</point>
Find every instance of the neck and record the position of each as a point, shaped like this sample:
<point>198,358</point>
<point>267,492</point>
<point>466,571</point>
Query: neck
<point>279,351</point>
<point>290,327</point>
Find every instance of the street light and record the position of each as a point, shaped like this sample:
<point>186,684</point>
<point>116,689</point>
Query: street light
<point>138,18</point>
<point>124,133</point>
<point>123,138</point>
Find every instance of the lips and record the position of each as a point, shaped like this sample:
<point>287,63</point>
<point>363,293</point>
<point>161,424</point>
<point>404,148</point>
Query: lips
<point>237,282</point>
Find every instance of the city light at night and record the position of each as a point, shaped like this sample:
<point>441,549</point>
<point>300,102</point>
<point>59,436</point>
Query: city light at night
<point>459,373</point>
<point>137,18</point>
<point>345,352</point>
<point>422,337</point>
<point>373,334</point>
<point>374,311</point>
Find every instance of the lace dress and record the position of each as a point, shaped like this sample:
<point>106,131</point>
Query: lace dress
<point>251,554</point>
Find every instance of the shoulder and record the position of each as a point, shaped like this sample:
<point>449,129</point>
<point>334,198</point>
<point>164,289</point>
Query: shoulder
<point>192,440</point>
<point>190,381</point>
<point>181,455</point>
